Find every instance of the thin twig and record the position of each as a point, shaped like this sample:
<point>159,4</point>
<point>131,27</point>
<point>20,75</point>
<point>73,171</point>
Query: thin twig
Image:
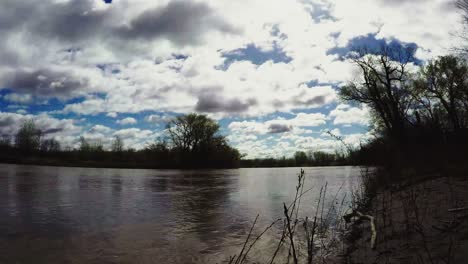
<point>247,240</point>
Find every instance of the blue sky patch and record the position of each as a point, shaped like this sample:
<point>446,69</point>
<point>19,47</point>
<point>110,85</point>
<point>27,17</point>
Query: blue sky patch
<point>370,44</point>
<point>255,55</point>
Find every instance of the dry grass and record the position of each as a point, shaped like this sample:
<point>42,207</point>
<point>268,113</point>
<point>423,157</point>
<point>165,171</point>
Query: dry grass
<point>315,239</point>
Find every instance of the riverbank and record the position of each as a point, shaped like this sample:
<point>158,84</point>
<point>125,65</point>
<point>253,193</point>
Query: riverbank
<point>421,221</point>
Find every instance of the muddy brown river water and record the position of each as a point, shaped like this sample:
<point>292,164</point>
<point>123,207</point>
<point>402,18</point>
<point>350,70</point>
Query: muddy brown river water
<point>85,215</point>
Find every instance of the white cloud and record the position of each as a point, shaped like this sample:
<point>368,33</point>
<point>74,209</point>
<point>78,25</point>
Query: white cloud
<point>101,129</point>
<point>140,67</point>
<point>303,29</point>
<point>64,130</point>
<point>127,121</point>
<point>279,125</point>
<point>346,115</point>
<point>137,138</point>
<point>112,114</point>
<point>157,119</point>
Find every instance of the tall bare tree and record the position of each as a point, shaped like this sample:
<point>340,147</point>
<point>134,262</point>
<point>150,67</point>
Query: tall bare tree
<point>382,84</point>
<point>117,144</point>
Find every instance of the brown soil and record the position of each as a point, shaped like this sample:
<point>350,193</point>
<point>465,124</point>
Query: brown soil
<point>415,224</point>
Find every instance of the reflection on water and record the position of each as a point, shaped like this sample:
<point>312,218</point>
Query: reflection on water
<point>82,215</point>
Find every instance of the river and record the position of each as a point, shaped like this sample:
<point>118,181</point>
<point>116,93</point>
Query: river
<point>86,215</point>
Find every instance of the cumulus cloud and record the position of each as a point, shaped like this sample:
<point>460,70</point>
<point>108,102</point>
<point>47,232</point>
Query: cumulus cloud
<point>69,21</point>
<point>127,121</point>
<point>45,83</point>
<point>346,115</point>
<point>101,129</point>
<point>136,138</point>
<point>157,119</point>
<point>64,130</point>
<point>315,97</point>
<point>136,56</point>
<point>182,22</point>
<point>214,104</point>
<point>276,126</point>
<point>279,128</point>
<point>112,114</point>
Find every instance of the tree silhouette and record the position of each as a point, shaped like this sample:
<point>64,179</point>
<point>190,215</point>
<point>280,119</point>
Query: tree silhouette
<point>193,132</point>
<point>300,157</point>
<point>50,145</point>
<point>442,90</point>
<point>117,144</point>
<point>28,138</point>
<point>195,141</point>
<point>384,87</point>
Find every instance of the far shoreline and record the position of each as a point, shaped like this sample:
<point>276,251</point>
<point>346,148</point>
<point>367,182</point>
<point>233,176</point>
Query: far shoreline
<point>130,167</point>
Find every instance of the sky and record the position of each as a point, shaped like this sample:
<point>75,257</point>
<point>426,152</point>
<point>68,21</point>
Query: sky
<point>267,70</point>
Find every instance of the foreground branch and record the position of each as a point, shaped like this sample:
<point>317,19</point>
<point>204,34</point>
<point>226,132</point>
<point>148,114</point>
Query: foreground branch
<point>361,216</point>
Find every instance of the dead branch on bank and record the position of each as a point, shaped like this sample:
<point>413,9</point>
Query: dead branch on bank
<point>369,218</point>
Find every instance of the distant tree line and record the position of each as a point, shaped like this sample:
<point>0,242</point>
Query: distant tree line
<point>303,159</point>
<point>193,141</point>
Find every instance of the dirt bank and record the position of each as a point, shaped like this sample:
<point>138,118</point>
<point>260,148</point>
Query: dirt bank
<point>425,222</point>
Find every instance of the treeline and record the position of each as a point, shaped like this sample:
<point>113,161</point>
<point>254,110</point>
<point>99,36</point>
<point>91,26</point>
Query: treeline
<point>420,116</point>
<point>303,159</point>
<point>193,142</point>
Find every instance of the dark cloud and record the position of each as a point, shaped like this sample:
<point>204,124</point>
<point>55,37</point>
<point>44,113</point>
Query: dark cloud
<point>8,56</point>
<point>318,100</point>
<point>278,104</point>
<point>70,21</point>
<point>213,104</point>
<point>77,24</point>
<point>45,83</point>
<point>7,120</point>
<point>182,22</point>
<point>312,102</point>
<point>52,130</point>
<point>13,14</point>
<point>278,128</point>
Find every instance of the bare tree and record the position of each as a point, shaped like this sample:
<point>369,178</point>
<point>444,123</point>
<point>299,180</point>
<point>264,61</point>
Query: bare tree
<point>84,144</point>
<point>383,86</point>
<point>5,141</point>
<point>50,145</point>
<point>117,144</point>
